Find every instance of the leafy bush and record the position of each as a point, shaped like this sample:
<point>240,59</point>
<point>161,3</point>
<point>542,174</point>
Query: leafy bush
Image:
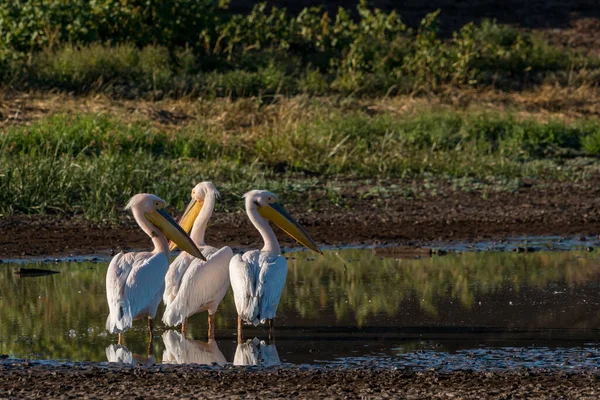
<point>27,25</point>
<point>176,47</point>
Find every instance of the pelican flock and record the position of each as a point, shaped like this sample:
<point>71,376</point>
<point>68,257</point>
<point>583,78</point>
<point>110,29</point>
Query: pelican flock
<point>199,277</point>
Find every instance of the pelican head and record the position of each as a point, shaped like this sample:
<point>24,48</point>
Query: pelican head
<point>149,211</point>
<point>267,205</point>
<point>199,193</point>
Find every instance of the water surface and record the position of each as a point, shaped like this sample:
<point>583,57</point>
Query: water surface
<point>352,307</point>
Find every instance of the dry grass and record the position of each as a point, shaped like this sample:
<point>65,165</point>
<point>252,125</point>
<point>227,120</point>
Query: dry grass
<point>544,103</point>
<point>95,152</point>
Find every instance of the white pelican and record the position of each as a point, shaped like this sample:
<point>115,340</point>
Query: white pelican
<point>256,352</point>
<point>135,282</point>
<point>258,276</point>
<point>179,350</point>
<point>117,353</point>
<point>194,285</point>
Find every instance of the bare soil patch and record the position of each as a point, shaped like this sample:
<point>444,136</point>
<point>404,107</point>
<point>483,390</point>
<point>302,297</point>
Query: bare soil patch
<point>448,215</point>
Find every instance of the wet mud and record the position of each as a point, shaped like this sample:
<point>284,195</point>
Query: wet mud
<point>540,209</point>
<point>38,380</point>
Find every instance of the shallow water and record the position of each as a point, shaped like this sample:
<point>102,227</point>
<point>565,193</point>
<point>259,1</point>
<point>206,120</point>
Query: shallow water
<point>476,310</point>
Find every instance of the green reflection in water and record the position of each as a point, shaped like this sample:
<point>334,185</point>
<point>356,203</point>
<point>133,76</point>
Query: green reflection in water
<point>62,316</point>
<point>365,286</point>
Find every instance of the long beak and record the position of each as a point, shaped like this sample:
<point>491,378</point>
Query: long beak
<point>187,220</point>
<point>280,217</point>
<point>173,231</point>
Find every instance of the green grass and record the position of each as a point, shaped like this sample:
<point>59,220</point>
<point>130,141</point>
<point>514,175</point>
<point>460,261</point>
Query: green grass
<point>91,164</point>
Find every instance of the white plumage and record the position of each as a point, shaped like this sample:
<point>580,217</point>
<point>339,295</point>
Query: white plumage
<point>135,282</point>
<point>257,280</point>
<point>134,288</point>
<point>195,286</point>
<point>256,352</point>
<point>258,277</point>
<point>178,269</point>
<point>179,350</point>
<point>116,353</point>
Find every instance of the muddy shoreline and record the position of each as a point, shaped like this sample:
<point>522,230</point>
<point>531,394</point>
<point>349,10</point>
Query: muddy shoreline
<point>563,209</point>
<point>85,380</point>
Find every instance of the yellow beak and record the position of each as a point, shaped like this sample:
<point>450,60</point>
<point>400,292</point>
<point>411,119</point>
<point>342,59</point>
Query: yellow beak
<point>172,231</point>
<point>187,220</point>
<point>280,217</point>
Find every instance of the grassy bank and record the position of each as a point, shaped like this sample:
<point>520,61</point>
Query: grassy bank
<point>91,163</point>
<point>190,48</point>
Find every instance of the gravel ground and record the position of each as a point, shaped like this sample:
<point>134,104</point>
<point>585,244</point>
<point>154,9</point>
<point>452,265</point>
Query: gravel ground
<point>19,379</point>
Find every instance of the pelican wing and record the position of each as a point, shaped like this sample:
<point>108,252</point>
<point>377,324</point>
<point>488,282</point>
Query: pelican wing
<point>243,272</point>
<point>178,269</point>
<point>184,351</point>
<point>119,317</point>
<point>257,280</point>
<point>202,287</point>
<point>247,353</point>
<point>146,283</point>
<point>268,354</point>
<point>116,353</point>
<point>133,281</point>
<point>271,282</point>
<point>173,278</point>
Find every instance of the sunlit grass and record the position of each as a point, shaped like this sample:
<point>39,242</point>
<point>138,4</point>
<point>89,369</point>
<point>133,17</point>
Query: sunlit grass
<point>91,164</point>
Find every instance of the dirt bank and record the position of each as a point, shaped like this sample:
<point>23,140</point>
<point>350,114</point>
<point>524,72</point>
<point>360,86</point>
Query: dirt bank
<point>24,380</point>
<point>439,214</point>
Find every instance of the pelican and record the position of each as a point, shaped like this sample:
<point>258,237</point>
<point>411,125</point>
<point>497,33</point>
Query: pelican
<point>135,282</point>
<point>256,352</point>
<point>116,353</point>
<point>258,276</point>
<point>194,285</point>
<point>179,350</point>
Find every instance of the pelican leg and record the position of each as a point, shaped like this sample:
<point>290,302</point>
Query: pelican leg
<point>211,326</point>
<point>184,327</point>
<point>151,347</point>
<point>271,330</point>
<point>151,328</point>
<point>121,339</point>
<point>240,331</point>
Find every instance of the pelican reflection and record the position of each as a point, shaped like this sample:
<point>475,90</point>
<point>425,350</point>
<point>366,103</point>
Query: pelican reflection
<point>179,350</point>
<point>118,353</point>
<point>256,352</point>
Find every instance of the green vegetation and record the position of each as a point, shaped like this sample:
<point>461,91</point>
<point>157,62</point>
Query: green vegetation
<point>181,47</point>
<point>92,164</point>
